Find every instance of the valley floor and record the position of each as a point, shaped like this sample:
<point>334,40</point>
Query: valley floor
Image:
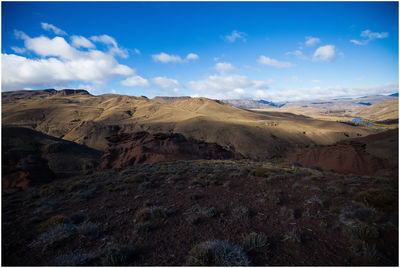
<point>156,215</point>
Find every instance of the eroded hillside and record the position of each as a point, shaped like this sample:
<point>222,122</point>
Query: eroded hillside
<point>88,120</point>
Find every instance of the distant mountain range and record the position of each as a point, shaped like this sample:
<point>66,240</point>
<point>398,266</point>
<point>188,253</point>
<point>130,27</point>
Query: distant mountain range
<point>253,104</point>
<point>340,103</point>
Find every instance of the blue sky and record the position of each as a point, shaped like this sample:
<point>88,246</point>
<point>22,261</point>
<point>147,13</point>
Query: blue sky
<point>279,51</point>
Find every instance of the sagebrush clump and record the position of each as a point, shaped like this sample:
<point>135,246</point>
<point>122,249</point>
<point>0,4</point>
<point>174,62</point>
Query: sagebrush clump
<point>217,253</point>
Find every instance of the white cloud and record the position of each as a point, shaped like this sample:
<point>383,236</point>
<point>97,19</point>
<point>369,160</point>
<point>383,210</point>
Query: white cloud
<point>358,42</point>
<point>165,82</point>
<point>192,56</point>
<point>58,63</point>
<point>80,41</point>
<point>274,63</point>
<point>372,35</point>
<point>298,53</point>
<point>20,35</point>
<point>105,39</point>
<point>324,53</point>
<point>311,41</point>
<point>19,50</point>
<point>50,27</point>
<point>262,84</point>
<point>113,46</point>
<point>369,36</point>
<point>167,58</point>
<point>318,93</point>
<point>235,35</point>
<point>137,51</point>
<point>220,83</point>
<point>135,81</point>
<point>227,86</point>
<point>224,67</point>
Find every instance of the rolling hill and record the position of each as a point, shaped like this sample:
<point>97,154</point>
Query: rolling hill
<point>380,111</point>
<point>86,119</point>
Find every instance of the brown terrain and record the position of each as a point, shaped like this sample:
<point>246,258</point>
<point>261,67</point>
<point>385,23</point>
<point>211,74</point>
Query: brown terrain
<point>144,148</point>
<point>359,156</point>
<point>120,180</point>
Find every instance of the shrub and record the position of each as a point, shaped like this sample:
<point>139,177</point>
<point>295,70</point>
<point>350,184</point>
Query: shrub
<point>54,237</point>
<point>296,186</point>
<point>138,178</point>
<point>77,258</point>
<point>269,196</point>
<point>194,196</point>
<point>293,236</point>
<point>241,211</point>
<point>334,189</point>
<point>335,209</point>
<point>287,212</point>
<point>143,214</point>
<point>158,212</point>
<point>117,255</point>
<point>254,242</point>
<point>53,221</point>
<point>209,212</point>
<point>261,172</point>
<point>146,185</point>
<point>88,229</point>
<point>364,232</point>
<point>193,219</point>
<point>377,198</point>
<point>144,227</point>
<point>217,253</point>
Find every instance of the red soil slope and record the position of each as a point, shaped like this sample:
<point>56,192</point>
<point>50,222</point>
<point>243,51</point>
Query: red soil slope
<point>356,156</point>
<point>143,147</point>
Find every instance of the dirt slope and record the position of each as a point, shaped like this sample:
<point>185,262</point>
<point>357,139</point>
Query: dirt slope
<point>145,148</point>
<point>30,157</point>
<point>363,156</point>
<point>88,120</point>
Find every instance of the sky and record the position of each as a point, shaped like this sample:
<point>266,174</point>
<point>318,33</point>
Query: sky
<point>275,51</point>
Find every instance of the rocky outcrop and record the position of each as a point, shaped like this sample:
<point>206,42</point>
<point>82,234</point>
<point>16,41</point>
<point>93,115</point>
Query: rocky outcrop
<point>143,147</point>
<point>357,156</point>
<point>68,92</point>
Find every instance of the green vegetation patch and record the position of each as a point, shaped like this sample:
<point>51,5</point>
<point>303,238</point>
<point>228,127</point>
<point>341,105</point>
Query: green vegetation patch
<point>377,198</point>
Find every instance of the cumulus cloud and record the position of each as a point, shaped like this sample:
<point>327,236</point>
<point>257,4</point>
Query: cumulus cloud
<point>324,53</point>
<point>227,86</point>
<point>106,39</point>
<point>235,35</point>
<point>165,82</point>
<point>112,44</point>
<point>369,36</point>
<point>274,63</point>
<point>192,56</point>
<point>311,41</point>
<point>167,58</point>
<point>58,63</point>
<point>80,41</point>
<point>298,53</point>
<point>52,28</point>
<point>135,81</point>
<point>224,67</point>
